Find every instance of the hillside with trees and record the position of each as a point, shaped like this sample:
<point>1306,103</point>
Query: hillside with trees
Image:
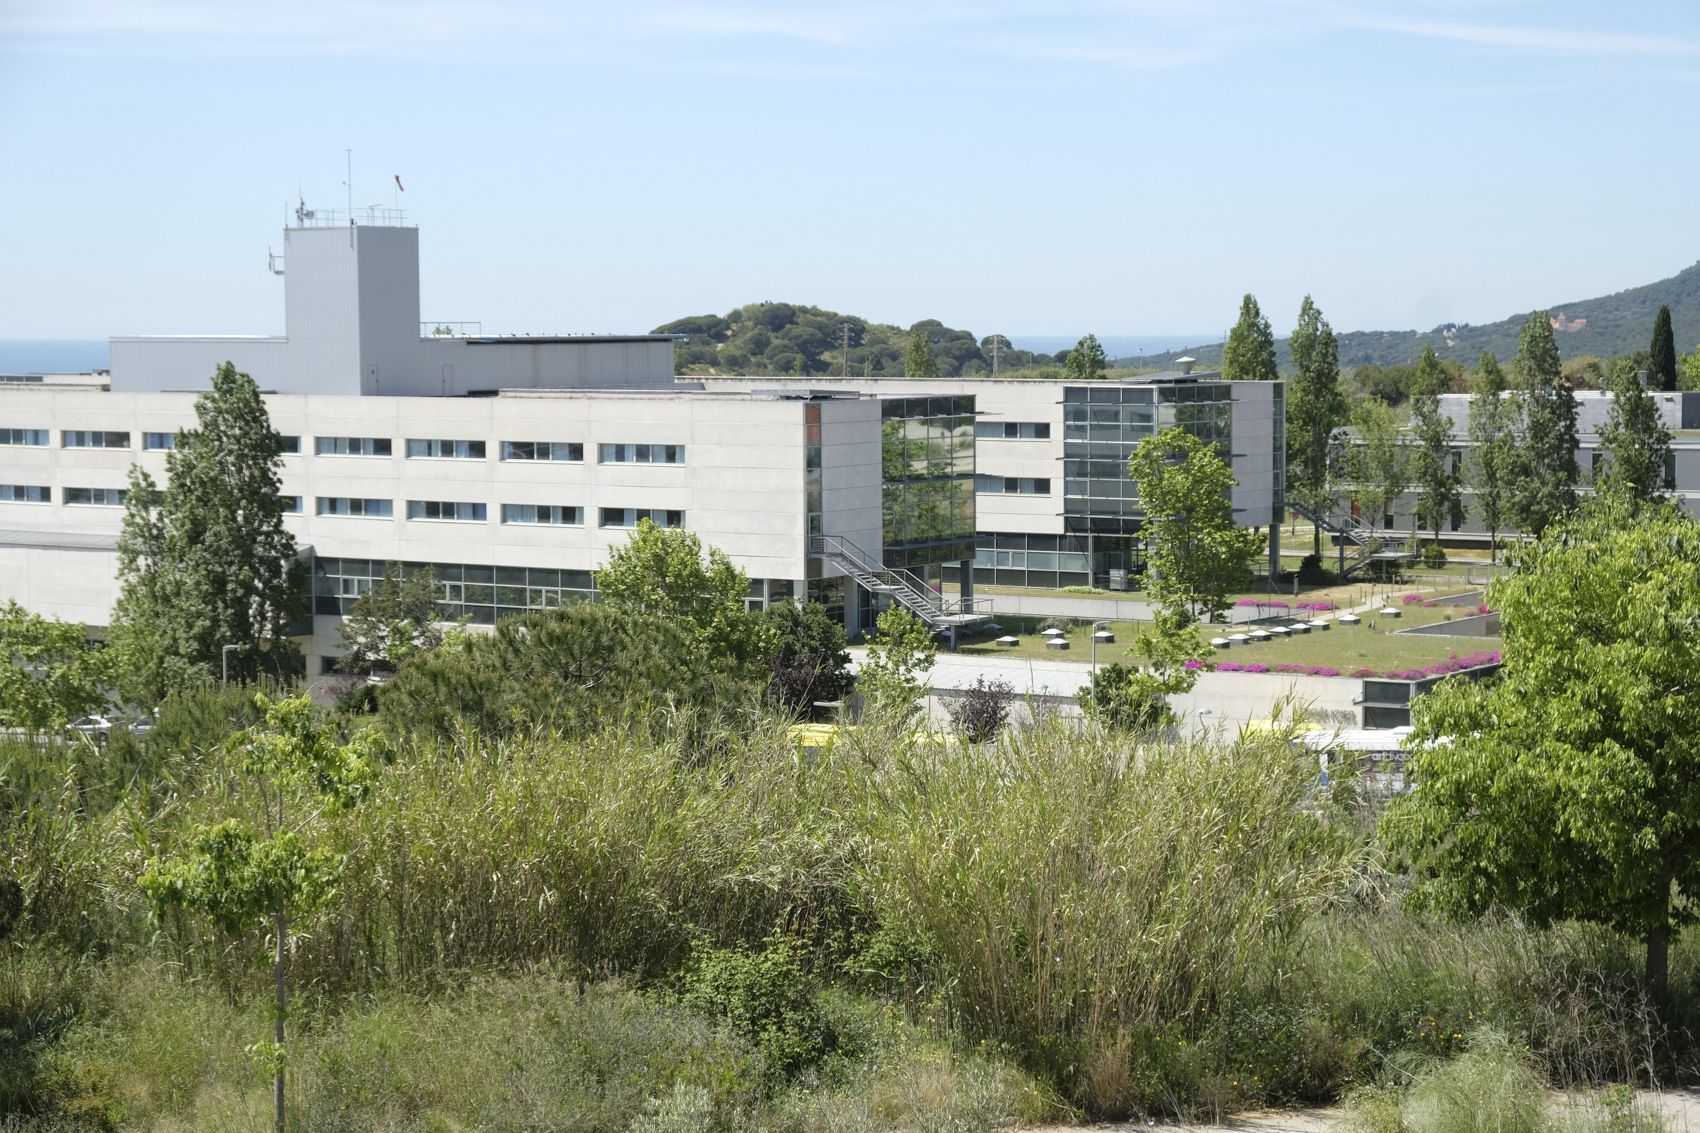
<point>783,338</point>
<point>1603,327</point>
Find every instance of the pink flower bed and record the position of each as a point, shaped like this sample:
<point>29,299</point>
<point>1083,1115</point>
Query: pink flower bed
<point>1301,670</point>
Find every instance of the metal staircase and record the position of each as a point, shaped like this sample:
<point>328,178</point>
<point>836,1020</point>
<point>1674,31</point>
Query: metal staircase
<point>922,600</point>
<point>1359,543</point>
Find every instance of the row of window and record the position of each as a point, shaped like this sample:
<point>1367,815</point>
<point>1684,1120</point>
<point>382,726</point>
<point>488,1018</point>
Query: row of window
<point>557,515</point>
<point>1012,485</point>
<point>42,494</point>
<point>1013,430</point>
<point>423,448</point>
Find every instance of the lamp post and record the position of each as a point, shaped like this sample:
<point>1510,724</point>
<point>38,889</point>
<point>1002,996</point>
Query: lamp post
<point>1096,626</point>
<point>224,664</point>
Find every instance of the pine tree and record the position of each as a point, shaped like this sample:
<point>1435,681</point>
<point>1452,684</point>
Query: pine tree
<point>918,360</point>
<point>1250,353</point>
<point>1086,362</point>
<point>1661,369</point>
<point>1545,476</point>
<point>1316,407</point>
<point>1436,482</point>
<point>206,562</point>
<point>1637,443</point>
<point>1493,448</point>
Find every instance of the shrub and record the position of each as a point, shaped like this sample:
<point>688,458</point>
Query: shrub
<point>766,998</point>
<point>1434,556</point>
<point>982,710</point>
<point>1312,572</point>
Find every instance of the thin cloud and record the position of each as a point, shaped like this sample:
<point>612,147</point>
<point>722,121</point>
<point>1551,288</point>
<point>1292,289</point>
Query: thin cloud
<point>1544,40</point>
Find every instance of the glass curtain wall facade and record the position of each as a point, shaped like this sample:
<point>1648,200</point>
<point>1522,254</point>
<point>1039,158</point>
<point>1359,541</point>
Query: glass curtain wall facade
<point>927,464</point>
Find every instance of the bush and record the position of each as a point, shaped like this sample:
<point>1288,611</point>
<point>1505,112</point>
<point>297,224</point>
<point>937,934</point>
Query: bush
<point>766,998</point>
<point>1312,572</point>
<point>982,710</point>
<point>1434,556</point>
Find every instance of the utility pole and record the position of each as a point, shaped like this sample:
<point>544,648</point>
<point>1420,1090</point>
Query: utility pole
<point>844,348</point>
<point>997,352</point>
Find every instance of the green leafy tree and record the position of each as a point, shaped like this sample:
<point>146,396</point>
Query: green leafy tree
<point>1250,352</point>
<point>206,562</point>
<point>49,672</point>
<point>1316,407</point>
<point>1086,362</point>
<point>1493,449</point>
<point>1196,553</point>
<point>1689,366</point>
<point>241,876</point>
<point>1661,364</point>
<point>1438,485</point>
<point>665,571</point>
<point>1380,460</point>
<point>1544,484</point>
<point>892,676</point>
<point>918,359</point>
<point>1636,442</point>
<point>1569,786</point>
<point>1134,697</point>
<point>810,663</point>
<point>391,622</point>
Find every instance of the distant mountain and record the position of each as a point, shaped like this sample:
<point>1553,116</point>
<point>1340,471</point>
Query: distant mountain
<point>784,338</point>
<point>1605,327</point>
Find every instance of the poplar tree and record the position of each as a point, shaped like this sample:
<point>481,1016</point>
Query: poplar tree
<point>1250,353</point>
<point>918,360</point>
<point>1637,443</point>
<point>1493,448</point>
<point>1544,483</point>
<point>1316,407</point>
<point>1438,494</point>
<point>1662,367</point>
<point>206,562</point>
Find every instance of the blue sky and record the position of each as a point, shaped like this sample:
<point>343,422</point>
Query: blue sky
<point>1082,165</point>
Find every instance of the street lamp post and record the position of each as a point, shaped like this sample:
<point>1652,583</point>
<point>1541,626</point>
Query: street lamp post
<point>1096,626</point>
<point>224,664</point>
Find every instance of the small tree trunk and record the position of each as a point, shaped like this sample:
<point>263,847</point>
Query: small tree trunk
<point>281,926</point>
<point>1658,967</point>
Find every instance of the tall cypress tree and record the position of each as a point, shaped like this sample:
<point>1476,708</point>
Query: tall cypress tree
<point>1432,472</point>
<point>1636,442</point>
<point>1545,476</point>
<point>1661,369</point>
<point>1250,353</point>
<point>206,562</point>
<point>1493,449</point>
<point>918,359</point>
<point>1315,408</point>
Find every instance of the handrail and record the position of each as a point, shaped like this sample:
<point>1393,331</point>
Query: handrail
<point>904,585</point>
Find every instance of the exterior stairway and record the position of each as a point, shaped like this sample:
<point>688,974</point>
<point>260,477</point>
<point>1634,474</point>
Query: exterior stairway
<point>1358,543</point>
<point>922,600</point>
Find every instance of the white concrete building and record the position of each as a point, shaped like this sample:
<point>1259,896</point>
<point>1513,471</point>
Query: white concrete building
<point>512,464</point>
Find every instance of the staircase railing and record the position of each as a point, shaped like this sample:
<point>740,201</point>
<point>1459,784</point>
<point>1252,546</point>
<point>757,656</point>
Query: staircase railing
<point>908,589</point>
<point>1370,543</point>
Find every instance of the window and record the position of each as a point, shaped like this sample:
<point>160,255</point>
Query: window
<point>542,450</point>
<point>291,504</point>
<point>352,446</point>
<point>445,509</point>
<point>289,444</point>
<point>95,497</point>
<point>25,494</point>
<point>159,442</point>
<point>1670,471</point>
<point>446,450</point>
<point>1012,485</point>
<point>1013,430</point>
<point>343,505</point>
<point>630,516</point>
<point>555,514</point>
<point>84,438</point>
<point>641,454</point>
<point>23,436</point>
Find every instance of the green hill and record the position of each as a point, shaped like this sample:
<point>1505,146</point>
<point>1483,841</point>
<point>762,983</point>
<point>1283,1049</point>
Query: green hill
<point>782,338</point>
<point>1605,327</point>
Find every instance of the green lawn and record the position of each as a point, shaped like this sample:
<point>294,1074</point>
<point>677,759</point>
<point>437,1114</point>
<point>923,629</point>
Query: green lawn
<point>1372,644</point>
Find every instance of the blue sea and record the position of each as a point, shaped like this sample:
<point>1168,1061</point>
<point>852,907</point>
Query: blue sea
<point>1115,345</point>
<point>52,356</point>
